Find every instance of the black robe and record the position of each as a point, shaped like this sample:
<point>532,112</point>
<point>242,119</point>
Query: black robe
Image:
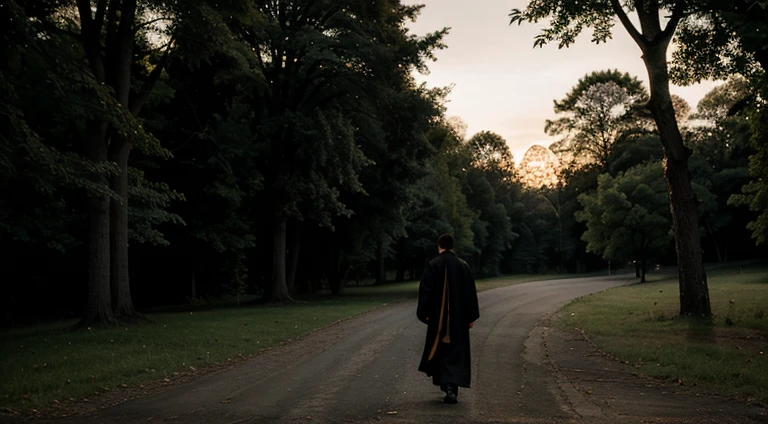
<point>446,356</point>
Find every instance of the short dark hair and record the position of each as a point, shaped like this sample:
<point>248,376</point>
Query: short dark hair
<point>445,242</point>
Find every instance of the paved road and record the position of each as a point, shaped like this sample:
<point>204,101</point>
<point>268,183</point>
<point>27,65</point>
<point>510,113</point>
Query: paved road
<point>364,370</point>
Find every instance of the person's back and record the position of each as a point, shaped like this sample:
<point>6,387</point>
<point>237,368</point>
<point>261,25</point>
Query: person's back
<point>448,305</point>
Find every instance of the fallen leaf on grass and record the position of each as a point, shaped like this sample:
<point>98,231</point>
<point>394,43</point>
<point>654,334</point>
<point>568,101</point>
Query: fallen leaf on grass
<point>227,400</point>
<point>391,412</point>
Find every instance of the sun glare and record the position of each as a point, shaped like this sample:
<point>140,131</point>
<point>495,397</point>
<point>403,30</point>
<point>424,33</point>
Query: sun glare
<point>539,167</point>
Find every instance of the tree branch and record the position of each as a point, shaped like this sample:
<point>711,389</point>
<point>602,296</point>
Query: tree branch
<point>53,28</point>
<point>150,22</point>
<point>678,13</point>
<point>101,9</point>
<point>124,56</point>
<point>648,13</point>
<point>303,17</point>
<point>633,32</point>
<point>653,11</point>
<point>84,10</point>
<point>110,25</point>
<point>90,39</point>
<point>151,80</point>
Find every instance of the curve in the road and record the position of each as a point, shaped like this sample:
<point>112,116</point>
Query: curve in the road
<point>364,370</point>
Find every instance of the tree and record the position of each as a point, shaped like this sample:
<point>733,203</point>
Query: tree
<point>448,177</point>
<point>595,124</point>
<point>730,37</point>
<point>755,193</point>
<point>400,149</point>
<point>539,168</point>
<point>721,162</point>
<point>124,47</point>
<point>489,172</point>
<point>597,110</point>
<point>567,21</point>
<point>724,37</point>
<point>326,64</point>
<point>490,152</point>
<point>627,217</point>
<point>38,161</point>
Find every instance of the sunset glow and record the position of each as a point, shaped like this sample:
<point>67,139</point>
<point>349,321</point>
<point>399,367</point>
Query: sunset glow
<point>539,167</point>
<point>501,83</point>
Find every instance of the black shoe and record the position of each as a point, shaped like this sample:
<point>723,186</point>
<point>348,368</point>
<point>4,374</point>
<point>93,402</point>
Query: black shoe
<point>451,394</point>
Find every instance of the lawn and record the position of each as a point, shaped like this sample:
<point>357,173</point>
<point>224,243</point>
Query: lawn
<point>49,363</point>
<point>640,324</point>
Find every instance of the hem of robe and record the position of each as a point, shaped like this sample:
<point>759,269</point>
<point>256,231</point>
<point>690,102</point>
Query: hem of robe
<point>465,386</point>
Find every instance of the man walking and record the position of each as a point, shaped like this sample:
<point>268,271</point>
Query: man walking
<point>448,305</point>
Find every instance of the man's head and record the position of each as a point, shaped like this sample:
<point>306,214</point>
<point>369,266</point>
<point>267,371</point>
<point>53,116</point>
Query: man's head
<point>445,242</point>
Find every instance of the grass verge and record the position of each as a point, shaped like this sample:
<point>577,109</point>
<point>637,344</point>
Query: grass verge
<point>639,324</point>
<point>48,363</point>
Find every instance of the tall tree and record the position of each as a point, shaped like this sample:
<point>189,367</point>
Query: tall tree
<point>721,162</point>
<point>490,171</point>
<point>627,217</point>
<point>653,37</point>
<point>596,116</point>
<point>38,150</point>
<point>125,46</point>
<point>322,61</point>
<point>491,153</point>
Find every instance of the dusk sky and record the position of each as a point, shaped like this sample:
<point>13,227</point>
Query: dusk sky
<point>503,84</point>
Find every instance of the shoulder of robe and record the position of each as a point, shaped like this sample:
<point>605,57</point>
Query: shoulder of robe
<point>437,260</point>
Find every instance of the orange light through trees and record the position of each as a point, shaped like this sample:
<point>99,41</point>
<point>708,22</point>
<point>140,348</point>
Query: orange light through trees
<point>539,167</point>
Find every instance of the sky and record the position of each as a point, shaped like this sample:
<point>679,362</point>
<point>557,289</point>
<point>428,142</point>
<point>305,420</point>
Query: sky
<point>505,85</point>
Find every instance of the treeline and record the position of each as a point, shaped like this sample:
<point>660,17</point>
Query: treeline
<point>612,170</point>
<point>157,153</point>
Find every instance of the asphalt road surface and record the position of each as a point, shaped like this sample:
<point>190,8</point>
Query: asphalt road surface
<point>365,370</point>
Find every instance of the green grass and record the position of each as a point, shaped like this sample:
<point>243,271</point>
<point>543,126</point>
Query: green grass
<point>48,362</point>
<point>640,324</point>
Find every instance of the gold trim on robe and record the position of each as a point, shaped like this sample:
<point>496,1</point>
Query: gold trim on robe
<point>445,304</point>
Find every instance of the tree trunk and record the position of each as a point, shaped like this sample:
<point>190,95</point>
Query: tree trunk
<point>294,258</point>
<point>643,269</point>
<point>335,274</point>
<point>119,151</point>
<point>400,260</point>
<point>194,284</point>
<point>279,285</point>
<point>694,294</point>
<point>381,277</point>
<point>99,308</point>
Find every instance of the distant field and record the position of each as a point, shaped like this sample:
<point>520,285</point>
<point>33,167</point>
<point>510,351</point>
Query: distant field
<point>47,363</point>
<point>640,324</point>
